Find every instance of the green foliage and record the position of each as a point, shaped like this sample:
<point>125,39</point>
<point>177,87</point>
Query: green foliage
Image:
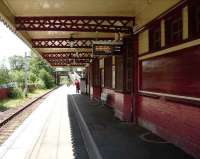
<point>16,62</point>
<point>2,107</point>
<point>16,93</point>
<point>39,74</point>
<point>65,80</point>
<point>33,78</point>
<point>4,76</point>
<point>17,76</point>
<point>47,78</point>
<point>41,84</point>
<point>36,64</point>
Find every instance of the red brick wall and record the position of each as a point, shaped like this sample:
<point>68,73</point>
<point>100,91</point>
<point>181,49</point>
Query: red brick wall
<point>175,122</point>
<point>4,93</point>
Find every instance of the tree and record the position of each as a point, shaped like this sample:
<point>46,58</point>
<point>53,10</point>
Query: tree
<point>39,72</point>
<point>43,72</point>
<point>17,76</point>
<point>16,62</point>
<point>36,64</point>
<point>4,76</point>
<point>46,78</point>
<point>33,78</point>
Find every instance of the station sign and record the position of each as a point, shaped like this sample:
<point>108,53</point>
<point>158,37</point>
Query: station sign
<point>106,48</point>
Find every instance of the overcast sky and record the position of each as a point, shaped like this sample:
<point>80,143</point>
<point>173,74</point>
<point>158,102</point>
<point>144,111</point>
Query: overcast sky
<point>10,44</point>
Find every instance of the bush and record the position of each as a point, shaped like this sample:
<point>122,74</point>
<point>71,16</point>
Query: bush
<point>4,76</point>
<point>32,87</point>
<point>18,76</point>
<point>40,84</point>
<point>33,77</point>
<point>46,78</point>
<point>16,93</point>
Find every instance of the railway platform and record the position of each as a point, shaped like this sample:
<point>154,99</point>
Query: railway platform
<point>110,138</point>
<point>46,133</point>
<point>65,122</point>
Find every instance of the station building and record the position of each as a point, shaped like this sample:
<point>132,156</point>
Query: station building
<point>152,81</point>
<point>156,83</point>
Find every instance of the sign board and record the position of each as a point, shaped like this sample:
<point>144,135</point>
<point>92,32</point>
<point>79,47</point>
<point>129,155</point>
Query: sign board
<point>106,48</point>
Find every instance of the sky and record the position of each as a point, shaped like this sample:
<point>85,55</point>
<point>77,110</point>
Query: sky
<point>10,44</point>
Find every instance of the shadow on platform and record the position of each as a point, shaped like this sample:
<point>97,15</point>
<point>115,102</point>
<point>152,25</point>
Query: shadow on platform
<point>116,139</point>
<point>79,149</point>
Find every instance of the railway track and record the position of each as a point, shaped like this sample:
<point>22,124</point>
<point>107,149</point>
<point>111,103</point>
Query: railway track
<point>9,125</point>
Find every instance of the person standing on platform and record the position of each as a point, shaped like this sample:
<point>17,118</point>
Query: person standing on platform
<point>77,84</point>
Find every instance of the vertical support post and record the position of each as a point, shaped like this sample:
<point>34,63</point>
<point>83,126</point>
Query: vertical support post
<point>26,75</point>
<point>136,74</point>
<point>56,78</point>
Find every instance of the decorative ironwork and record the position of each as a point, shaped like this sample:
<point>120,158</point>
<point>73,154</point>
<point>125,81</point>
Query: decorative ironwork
<point>60,64</point>
<point>69,61</point>
<point>75,23</point>
<point>66,42</point>
<point>61,73</point>
<point>67,55</point>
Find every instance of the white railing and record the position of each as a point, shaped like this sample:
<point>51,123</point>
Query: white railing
<point>9,85</point>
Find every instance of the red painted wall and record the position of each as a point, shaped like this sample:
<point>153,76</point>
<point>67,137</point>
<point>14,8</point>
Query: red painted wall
<point>4,93</point>
<point>175,122</point>
<point>176,73</point>
<point>96,92</point>
<point>121,103</point>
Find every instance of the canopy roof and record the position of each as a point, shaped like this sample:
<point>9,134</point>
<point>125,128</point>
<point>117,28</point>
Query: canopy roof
<point>68,27</point>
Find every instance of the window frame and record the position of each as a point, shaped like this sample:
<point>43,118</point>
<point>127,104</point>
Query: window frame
<point>171,20</point>
<point>193,20</point>
<point>156,28</point>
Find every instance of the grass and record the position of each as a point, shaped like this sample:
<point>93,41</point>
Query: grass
<point>12,103</point>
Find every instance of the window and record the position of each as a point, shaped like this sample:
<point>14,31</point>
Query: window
<point>108,72</point>
<point>155,37</point>
<point>119,70</point>
<point>173,28</point>
<point>194,19</point>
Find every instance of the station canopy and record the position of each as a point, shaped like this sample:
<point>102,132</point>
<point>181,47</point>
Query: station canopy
<point>62,31</point>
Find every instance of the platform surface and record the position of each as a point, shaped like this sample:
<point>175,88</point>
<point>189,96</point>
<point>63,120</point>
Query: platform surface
<point>46,133</point>
<point>52,131</point>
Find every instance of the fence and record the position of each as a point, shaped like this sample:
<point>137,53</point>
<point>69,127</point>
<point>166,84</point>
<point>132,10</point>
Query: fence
<point>9,85</point>
<point>5,89</point>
